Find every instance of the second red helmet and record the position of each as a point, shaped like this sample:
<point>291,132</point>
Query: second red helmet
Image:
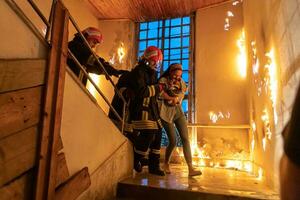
<point>93,33</point>
<point>153,53</point>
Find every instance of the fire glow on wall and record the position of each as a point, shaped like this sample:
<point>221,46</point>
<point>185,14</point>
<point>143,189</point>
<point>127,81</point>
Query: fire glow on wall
<point>117,59</point>
<point>230,157</point>
<point>241,57</point>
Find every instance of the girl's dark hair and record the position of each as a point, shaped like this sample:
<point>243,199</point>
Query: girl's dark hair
<point>169,70</point>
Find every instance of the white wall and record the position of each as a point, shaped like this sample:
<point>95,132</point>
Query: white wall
<point>88,135</point>
<point>82,14</point>
<point>91,140</point>
<point>218,84</point>
<point>17,40</point>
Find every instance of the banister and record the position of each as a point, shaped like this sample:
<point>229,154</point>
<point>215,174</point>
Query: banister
<point>40,14</point>
<point>94,84</point>
<point>20,12</point>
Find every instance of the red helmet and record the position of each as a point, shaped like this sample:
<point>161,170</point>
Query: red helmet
<point>153,53</point>
<point>93,33</point>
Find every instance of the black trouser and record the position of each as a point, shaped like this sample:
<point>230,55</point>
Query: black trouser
<point>149,139</point>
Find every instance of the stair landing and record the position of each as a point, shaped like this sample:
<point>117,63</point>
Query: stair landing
<point>212,184</point>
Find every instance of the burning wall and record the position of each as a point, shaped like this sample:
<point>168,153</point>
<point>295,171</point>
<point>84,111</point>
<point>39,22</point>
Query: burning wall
<point>271,42</point>
<point>222,109</point>
<point>272,34</point>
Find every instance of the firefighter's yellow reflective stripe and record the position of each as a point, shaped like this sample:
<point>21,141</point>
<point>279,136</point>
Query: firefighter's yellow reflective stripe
<point>159,123</point>
<point>144,153</point>
<point>152,89</point>
<point>155,151</point>
<point>146,102</point>
<point>145,115</point>
<point>144,124</point>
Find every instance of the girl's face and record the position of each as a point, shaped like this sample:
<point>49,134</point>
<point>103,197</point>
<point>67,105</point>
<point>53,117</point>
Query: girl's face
<point>176,75</point>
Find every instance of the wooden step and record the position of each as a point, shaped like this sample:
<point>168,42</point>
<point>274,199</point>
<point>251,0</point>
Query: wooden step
<point>128,191</point>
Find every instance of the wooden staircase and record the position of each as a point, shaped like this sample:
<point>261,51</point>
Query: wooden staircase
<point>22,87</point>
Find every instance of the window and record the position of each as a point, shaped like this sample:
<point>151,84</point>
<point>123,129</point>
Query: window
<point>173,37</point>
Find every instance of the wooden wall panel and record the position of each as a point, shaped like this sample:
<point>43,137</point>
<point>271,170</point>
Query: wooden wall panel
<point>146,10</point>
<point>21,73</point>
<point>74,186</point>
<point>19,189</point>
<point>62,173</point>
<point>19,110</point>
<point>60,145</point>
<point>18,154</point>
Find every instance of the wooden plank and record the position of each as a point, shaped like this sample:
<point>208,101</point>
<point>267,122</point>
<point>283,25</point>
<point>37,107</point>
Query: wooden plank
<point>18,154</point>
<point>46,175</point>
<point>19,189</point>
<point>19,110</point>
<point>60,145</point>
<point>62,169</point>
<point>21,73</point>
<point>151,10</point>
<point>74,186</point>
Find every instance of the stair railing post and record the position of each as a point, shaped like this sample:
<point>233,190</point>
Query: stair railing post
<point>52,110</point>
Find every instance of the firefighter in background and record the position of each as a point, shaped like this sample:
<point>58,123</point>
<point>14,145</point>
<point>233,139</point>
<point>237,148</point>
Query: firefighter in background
<point>117,103</point>
<point>144,115</point>
<point>85,57</point>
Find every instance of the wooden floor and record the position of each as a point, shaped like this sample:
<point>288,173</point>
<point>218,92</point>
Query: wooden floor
<point>212,184</point>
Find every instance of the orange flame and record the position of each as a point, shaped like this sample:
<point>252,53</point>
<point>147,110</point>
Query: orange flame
<point>242,58</point>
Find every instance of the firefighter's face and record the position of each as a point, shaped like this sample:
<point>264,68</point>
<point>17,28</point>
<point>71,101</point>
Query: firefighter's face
<point>155,65</point>
<point>93,42</point>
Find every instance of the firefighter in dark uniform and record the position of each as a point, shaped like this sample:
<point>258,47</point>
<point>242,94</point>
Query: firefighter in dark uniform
<point>144,113</point>
<point>117,103</point>
<point>85,57</point>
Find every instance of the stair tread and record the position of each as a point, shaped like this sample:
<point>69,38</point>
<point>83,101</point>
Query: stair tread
<point>213,183</point>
